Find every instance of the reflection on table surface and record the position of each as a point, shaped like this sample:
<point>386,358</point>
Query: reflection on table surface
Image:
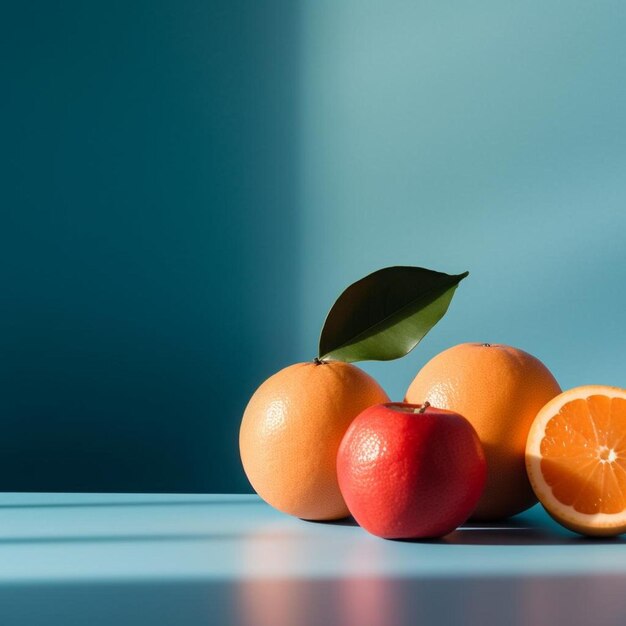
<point>349,602</point>
<point>220,559</point>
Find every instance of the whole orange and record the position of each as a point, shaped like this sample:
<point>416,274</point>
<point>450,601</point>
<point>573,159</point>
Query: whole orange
<point>500,390</point>
<point>291,431</point>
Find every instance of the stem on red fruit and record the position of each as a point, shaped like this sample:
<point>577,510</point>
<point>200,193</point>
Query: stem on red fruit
<point>423,408</point>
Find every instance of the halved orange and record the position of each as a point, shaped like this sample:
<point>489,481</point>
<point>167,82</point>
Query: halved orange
<point>576,459</point>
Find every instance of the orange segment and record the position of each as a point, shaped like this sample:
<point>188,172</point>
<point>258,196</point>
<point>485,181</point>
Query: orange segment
<point>576,459</point>
<point>618,424</point>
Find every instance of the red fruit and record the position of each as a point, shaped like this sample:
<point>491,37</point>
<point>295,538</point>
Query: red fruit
<point>410,471</point>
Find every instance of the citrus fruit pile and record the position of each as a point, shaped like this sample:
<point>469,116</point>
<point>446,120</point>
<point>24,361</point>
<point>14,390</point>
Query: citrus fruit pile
<point>484,430</point>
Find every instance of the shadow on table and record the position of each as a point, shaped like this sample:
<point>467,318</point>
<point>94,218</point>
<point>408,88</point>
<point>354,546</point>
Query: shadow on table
<point>124,503</point>
<point>517,534</point>
<point>540,531</point>
<point>345,521</point>
<point>128,538</point>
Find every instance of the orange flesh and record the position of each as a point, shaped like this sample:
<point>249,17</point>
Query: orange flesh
<point>584,455</point>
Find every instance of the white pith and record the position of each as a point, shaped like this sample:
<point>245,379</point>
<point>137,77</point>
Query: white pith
<point>533,459</point>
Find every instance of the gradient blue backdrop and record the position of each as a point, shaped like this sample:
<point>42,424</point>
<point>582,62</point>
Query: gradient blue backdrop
<point>187,185</point>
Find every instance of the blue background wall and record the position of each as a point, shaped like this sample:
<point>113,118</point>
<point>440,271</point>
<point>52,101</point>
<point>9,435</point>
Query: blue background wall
<point>186,186</point>
<point>481,136</point>
<point>148,252</point>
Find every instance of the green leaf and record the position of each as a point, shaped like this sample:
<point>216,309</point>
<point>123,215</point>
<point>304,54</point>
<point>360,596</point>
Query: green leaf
<point>386,314</point>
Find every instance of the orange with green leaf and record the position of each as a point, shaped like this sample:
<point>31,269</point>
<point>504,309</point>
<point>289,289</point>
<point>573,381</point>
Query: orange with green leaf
<point>295,421</point>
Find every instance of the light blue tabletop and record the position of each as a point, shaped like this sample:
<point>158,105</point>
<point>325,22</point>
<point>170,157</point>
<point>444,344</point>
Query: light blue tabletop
<point>231,559</point>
